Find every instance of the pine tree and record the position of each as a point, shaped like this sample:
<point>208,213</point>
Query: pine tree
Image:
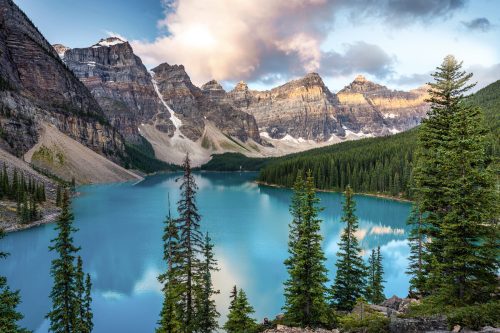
<point>80,323</point>
<point>232,296</point>
<point>190,247</point>
<point>170,315</point>
<point>305,303</point>
<point>371,276</point>
<point>206,311</point>
<point>351,271</point>
<point>87,305</point>
<point>9,300</point>
<point>455,192</point>
<point>377,295</point>
<point>469,232</point>
<point>238,319</point>
<point>64,293</point>
<point>417,258</point>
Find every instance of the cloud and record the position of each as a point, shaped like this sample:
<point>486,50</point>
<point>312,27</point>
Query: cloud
<point>478,24</point>
<point>358,57</point>
<point>484,75</point>
<point>270,41</point>
<point>412,80</point>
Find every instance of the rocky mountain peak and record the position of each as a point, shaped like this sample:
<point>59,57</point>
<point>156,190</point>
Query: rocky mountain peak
<point>212,85</point>
<point>241,86</point>
<point>360,79</point>
<point>110,41</point>
<point>60,49</point>
<point>362,85</point>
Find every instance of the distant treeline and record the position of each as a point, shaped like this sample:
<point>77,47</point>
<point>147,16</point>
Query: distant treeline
<point>27,192</point>
<point>375,165</point>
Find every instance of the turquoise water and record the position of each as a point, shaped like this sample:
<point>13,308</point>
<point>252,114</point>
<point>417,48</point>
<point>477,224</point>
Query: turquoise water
<point>120,235</point>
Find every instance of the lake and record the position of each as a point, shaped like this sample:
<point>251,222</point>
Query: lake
<point>120,230</point>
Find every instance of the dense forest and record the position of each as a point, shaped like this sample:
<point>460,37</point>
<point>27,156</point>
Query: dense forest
<point>375,165</point>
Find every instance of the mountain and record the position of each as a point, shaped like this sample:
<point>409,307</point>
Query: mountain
<point>302,108</point>
<point>305,109</point>
<point>194,105</point>
<point>372,165</point>
<point>37,87</point>
<point>119,82</point>
<point>371,109</point>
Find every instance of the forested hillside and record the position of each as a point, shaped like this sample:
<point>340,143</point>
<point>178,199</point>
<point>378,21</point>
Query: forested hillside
<point>378,165</point>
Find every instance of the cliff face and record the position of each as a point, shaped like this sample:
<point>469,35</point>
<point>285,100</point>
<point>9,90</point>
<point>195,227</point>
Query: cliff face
<point>119,82</point>
<point>373,109</point>
<point>194,105</point>
<point>302,108</point>
<point>36,85</point>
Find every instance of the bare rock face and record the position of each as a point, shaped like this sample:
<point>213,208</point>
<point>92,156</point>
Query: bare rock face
<point>371,108</point>
<point>302,108</point>
<point>36,85</point>
<point>119,82</point>
<point>195,105</point>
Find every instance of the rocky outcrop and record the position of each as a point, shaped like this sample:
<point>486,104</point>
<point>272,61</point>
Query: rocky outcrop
<point>119,82</point>
<point>370,108</point>
<point>36,86</point>
<point>287,329</point>
<point>195,105</point>
<point>303,108</point>
<point>417,325</point>
<point>307,109</point>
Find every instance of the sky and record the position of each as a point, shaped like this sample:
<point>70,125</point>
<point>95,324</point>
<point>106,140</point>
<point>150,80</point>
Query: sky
<point>266,43</point>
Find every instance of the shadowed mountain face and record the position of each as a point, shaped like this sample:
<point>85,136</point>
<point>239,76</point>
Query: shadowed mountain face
<point>119,82</point>
<point>196,105</point>
<point>36,86</point>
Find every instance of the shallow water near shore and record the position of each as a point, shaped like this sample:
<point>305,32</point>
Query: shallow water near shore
<point>120,230</point>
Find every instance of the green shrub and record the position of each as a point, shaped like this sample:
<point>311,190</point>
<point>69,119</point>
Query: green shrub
<point>475,316</point>
<point>368,323</point>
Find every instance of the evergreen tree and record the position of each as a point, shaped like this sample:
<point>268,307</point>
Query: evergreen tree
<point>232,296</point>
<point>377,295</point>
<point>206,310</point>
<point>64,294</point>
<point>417,261</point>
<point>170,315</point>
<point>238,319</point>
<point>305,303</point>
<point>455,192</point>
<point>87,303</point>
<point>9,300</point>
<point>80,310</point>
<point>190,246</point>
<point>350,279</point>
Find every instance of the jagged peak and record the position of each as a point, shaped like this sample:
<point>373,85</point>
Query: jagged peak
<point>60,49</point>
<point>109,41</point>
<point>212,85</point>
<point>360,79</point>
<point>361,85</point>
<point>241,86</point>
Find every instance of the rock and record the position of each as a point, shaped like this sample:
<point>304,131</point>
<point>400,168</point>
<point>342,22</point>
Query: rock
<point>286,329</point>
<point>456,328</point>
<point>489,329</point>
<point>39,87</point>
<point>195,105</point>
<point>303,108</point>
<point>417,325</point>
<point>120,83</point>
<point>399,304</point>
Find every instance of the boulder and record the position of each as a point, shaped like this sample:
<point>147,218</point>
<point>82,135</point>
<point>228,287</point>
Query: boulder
<point>418,325</point>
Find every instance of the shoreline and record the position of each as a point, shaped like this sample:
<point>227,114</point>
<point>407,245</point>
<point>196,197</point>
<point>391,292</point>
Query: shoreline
<point>374,195</point>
